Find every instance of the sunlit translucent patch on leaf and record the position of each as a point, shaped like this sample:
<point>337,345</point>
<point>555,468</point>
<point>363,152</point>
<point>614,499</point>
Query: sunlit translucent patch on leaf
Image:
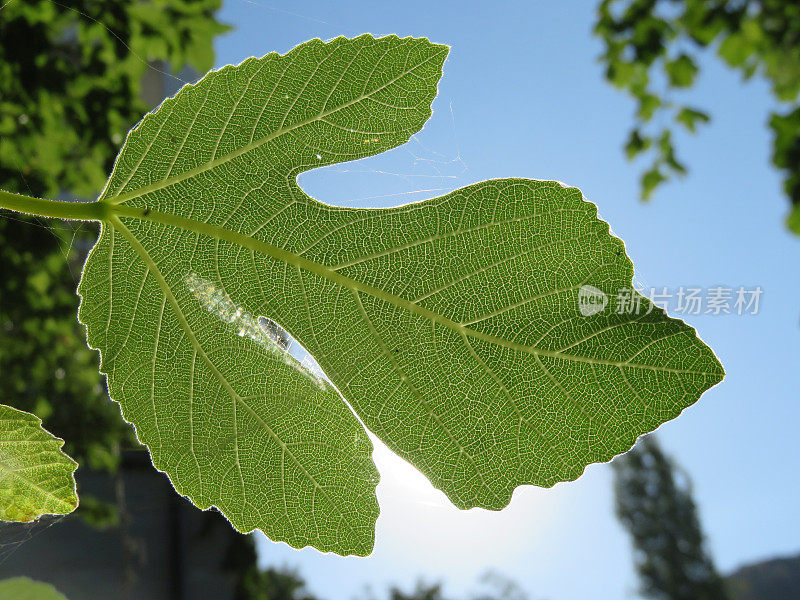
<point>260,330</point>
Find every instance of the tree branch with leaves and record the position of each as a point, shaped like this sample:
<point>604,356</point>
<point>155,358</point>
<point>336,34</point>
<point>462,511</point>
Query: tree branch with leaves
<point>653,47</point>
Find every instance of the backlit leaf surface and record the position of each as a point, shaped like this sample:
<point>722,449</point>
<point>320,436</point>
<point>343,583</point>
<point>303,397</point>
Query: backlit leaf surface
<point>450,326</point>
<point>36,477</point>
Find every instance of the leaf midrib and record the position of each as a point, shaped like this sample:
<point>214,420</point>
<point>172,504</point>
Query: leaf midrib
<point>277,253</point>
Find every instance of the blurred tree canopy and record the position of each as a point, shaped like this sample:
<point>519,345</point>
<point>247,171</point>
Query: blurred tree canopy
<point>422,591</point>
<point>653,45</point>
<point>660,514</point>
<point>71,78</point>
<point>46,366</point>
<point>70,88</point>
<point>254,583</point>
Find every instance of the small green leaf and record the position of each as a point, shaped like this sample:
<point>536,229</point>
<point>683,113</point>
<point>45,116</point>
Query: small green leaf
<point>451,327</point>
<point>36,477</point>
<point>689,118</point>
<point>667,153</point>
<point>626,74</point>
<point>636,144</point>
<point>681,71</point>
<point>22,588</point>
<point>736,49</point>
<point>650,180</point>
<point>648,104</point>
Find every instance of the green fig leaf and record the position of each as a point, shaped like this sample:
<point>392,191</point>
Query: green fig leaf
<point>451,327</point>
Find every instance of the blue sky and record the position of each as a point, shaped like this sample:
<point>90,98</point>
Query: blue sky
<point>522,95</point>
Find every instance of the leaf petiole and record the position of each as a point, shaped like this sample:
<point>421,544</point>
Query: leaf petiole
<point>78,211</point>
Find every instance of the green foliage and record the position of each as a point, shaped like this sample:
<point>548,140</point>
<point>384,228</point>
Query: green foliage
<point>274,584</point>
<point>47,368</point>
<point>681,71</point>
<point>71,77</point>
<point>450,326</point>
<point>648,42</point>
<point>786,155</point>
<point>36,477</point>
<point>690,118</point>
<point>422,591</point>
<point>22,588</point>
<point>659,513</point>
